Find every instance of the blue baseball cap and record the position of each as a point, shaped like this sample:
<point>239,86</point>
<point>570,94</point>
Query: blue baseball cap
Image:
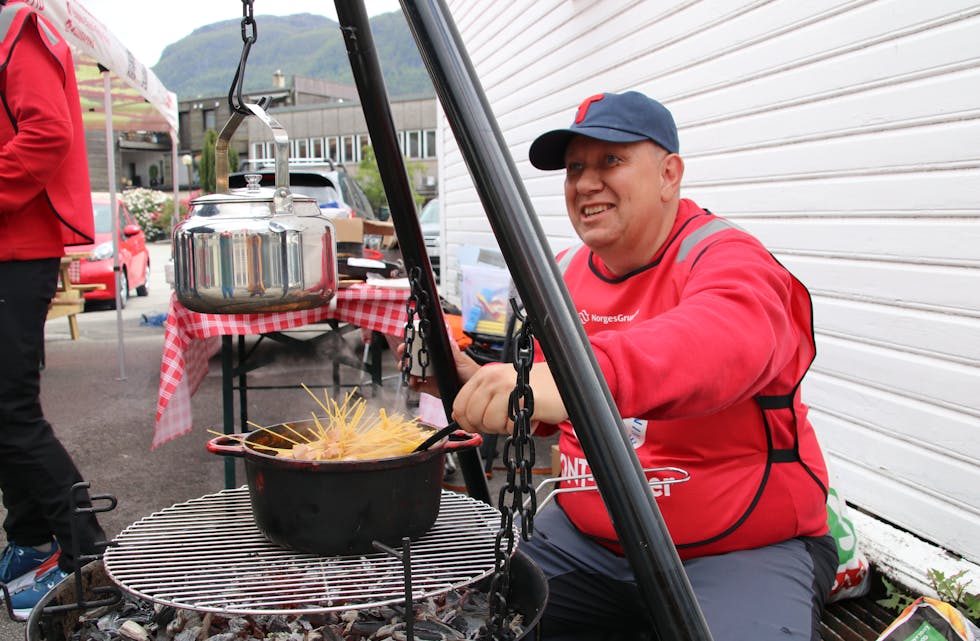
<point>613,117</point>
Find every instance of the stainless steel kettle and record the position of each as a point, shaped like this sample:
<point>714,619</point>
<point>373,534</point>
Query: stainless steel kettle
<point>254,250</point>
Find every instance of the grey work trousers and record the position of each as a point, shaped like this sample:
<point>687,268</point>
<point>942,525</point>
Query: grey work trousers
<point>774,593</point>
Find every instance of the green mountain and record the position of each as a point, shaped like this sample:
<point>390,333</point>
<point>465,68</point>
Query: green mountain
<point>204,62</point>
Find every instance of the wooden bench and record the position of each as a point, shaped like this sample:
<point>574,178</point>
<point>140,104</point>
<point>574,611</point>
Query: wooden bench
<point>860,619</point>
<point>68,299</point>
<point>855,620</point>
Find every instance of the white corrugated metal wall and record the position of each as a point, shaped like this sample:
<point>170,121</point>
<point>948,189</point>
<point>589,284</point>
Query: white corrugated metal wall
<point>846,135</point>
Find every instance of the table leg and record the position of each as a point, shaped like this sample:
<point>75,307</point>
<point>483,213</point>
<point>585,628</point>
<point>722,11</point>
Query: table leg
<point>375,346</point>
<point>242,385</point>
<point>73,327</point>
<point>335,362</point>
<point>228,404</point>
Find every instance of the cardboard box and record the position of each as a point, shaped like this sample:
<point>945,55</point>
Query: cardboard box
<point>348,230</point>
<point>378,227</point>
<point>350,233</point>
<point>382,234</point>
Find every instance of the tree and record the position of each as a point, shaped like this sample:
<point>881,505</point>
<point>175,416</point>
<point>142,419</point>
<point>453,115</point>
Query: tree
<point>369,178</point>
<point>232,159</point>
<point>205,168</point>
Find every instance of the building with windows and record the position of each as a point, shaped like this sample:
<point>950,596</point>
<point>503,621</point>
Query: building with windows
<point>199,114</point>
<point>338,131</point>
<point>323,120</point>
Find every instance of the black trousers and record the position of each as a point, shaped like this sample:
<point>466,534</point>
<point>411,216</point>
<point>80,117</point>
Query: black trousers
<point>36,472</point>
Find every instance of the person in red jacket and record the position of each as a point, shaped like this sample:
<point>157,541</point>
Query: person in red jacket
<point>45,204</point>
<point>703,339</point>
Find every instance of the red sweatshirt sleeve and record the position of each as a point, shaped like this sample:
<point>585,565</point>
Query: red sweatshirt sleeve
<point>729,335</point>
<point>34,97</point>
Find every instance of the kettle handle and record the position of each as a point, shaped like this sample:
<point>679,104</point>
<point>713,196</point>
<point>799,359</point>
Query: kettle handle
<point>221,152</point>
<point>282,199</point>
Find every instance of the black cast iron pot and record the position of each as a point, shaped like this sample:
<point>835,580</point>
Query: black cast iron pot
<point>340,507</point>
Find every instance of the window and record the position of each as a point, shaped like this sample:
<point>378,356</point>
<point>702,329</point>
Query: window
<point>332,149</point>
<point>301,148</point>
<point>429,150</point>
<point>316,148</point>
<point>209,119</point>
<point>103,218</point>
<point>414,144</point>
<point>263,152</point>
<point>357,199</point>
<point>184,121</point>
<point>347,153</point>
<point>123,220</point>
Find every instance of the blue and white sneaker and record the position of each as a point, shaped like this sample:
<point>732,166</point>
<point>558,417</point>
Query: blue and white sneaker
<point>19,561</point>
<point>45,577</point>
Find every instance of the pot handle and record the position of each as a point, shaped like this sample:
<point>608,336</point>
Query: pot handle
<point>463,440</point>
<point>221,445</point>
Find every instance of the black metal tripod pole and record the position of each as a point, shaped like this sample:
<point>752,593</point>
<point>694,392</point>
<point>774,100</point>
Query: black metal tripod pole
<point>618,475</point>
<point>377,113</point>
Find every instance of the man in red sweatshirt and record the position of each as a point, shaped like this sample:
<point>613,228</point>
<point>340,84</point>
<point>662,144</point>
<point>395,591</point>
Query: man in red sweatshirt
<point>45,204</point>
<point>703,339</point>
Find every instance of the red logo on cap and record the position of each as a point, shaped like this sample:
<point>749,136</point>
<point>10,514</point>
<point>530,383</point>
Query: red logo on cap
<point>583,108</point>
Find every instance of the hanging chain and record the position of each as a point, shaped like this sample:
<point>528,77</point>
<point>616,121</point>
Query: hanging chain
<point>250,34</point>
<point>417,304</point>
<point>521,410</point>
<point>518,457</point>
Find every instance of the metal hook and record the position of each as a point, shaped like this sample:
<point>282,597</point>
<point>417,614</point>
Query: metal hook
<point>250,33</point>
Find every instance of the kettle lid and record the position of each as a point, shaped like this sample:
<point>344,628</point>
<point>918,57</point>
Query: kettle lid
<point>256,200</point>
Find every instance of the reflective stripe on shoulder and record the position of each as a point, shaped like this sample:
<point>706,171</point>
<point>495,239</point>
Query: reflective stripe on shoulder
<point>692,240</point>
<point>8,16</point>
<point>689,243</point>
<point>6,19</point>
<point>567,257</point>
<point>49,33</point>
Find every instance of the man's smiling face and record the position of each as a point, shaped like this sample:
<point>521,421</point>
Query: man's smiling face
<point>619,199</point>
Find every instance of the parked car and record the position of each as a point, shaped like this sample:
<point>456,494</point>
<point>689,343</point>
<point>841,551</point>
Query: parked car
<point>431,232</point>
<point>337,193</point>
<point>134,258</point>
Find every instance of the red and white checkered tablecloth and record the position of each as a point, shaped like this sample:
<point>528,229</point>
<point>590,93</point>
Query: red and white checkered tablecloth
<point>191,339</point>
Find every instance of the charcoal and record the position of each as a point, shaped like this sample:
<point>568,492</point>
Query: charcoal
<point>458,615</point>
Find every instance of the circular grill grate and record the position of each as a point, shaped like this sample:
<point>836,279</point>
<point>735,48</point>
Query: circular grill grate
<point>207,554</point>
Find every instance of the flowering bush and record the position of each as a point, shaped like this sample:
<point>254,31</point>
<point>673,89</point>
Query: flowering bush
<point>147,207</point>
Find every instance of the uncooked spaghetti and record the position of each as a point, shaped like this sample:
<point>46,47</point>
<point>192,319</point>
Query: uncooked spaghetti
<point>347,432</point>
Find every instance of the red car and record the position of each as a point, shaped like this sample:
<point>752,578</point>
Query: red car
<point>134,259</point>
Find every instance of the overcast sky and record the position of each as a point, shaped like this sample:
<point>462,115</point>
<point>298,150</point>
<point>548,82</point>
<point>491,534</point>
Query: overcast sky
<point>147,28</point>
